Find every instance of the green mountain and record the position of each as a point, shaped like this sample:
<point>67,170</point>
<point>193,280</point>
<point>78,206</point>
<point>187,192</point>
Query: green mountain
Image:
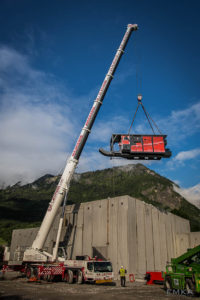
<point>24,206</point>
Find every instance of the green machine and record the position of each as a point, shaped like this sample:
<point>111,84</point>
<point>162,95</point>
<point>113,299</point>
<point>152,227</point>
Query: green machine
<point>183,273</point>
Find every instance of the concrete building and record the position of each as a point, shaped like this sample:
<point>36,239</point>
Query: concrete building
<point>125,230</point>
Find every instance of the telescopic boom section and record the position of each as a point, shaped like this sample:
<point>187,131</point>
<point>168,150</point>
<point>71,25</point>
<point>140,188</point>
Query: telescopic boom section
<point>63,185</point>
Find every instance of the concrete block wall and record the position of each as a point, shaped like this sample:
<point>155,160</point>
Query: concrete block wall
<point>131,233</point>
<point>151,237</point>
<point>123,229</point>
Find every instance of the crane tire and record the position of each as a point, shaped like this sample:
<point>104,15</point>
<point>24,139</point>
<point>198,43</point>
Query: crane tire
<point>45,277</point>
<point>29,272</point>
<point>49,278</point>
<point>35,273</point>
<point>80,277</point>
<point>70,276</point>
<point>65,278</point>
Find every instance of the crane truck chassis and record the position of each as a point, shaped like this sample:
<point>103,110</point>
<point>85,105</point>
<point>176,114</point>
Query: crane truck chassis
<point>47,266</point>
<point>81,270</point>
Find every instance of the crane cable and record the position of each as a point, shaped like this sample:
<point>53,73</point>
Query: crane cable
<point>150,120</point>
<point>139,89</point>
<point>133,118</point>
<point>149,117</point>
<point>137,54</point>
<point>138,80</point>
<point>113,177</point>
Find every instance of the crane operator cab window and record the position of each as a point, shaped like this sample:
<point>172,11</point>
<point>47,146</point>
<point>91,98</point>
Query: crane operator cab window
<point>99,266</point>
<point>102,266</point>
<point>90,266</point>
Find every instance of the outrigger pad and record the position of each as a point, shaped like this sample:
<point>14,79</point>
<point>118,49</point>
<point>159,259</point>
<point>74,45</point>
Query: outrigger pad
<point>138,147</point>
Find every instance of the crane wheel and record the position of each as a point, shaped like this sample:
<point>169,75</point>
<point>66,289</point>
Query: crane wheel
<point>80,277</point>
<point>66,277</point>
<point>29,272</point>
<point>48,277</point>
<point>51,278</point>
<point>70,276</point>
<point>35,273</point>
<point>45,277</point>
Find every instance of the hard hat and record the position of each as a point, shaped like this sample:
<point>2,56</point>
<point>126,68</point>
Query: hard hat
<point>121,266</point>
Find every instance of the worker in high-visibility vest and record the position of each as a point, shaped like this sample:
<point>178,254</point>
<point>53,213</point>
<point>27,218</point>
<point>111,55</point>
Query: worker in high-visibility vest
<point>122,273</point>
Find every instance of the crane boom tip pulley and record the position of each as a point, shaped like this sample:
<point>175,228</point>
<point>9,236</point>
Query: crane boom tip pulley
<point>133,26</point>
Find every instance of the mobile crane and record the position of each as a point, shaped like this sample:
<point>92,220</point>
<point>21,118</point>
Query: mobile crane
<point>46,265</point>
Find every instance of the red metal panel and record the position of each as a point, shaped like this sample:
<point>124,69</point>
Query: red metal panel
<point>137,147</point>
<point>125,140</point>
<point>147,144</point>
<point>158,144</point>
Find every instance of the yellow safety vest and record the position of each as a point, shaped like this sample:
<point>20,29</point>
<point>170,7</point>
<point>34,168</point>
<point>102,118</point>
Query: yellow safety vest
<point>122,272</point>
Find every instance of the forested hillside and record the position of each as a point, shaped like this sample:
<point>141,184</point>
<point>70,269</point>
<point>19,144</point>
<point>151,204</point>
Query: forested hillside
<point>25,206</point>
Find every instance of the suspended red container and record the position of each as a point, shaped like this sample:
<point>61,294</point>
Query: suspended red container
<point>136,146</point>
<point>139,146</point>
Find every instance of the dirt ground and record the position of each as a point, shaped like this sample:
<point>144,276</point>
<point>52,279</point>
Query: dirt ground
<point>17,288</point>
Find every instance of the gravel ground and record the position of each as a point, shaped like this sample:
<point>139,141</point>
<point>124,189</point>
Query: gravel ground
<point>17,288</point>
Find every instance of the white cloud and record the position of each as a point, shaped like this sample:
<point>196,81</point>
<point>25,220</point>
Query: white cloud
<point>191,194</point>
<point>36,132</point>
<point>32,142</point>
<point>102,131</point>
<point>185,155</point>
<point>181,124</point>
<point>181,157</point>
<point>9,58</point>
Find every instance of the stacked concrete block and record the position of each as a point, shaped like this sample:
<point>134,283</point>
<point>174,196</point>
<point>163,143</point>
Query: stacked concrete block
<point>132,234</point>
<point>182,243</point>
<point>149,242</point>
<point>113,233</point>
<point>163,240</point>
<point>21,238</point>
<point>194,238</point>
<point>140,230</point>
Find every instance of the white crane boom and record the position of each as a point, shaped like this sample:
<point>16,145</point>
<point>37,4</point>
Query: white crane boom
<point>64,183</point>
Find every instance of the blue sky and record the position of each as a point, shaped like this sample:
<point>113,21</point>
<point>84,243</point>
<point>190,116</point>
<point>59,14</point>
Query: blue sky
<point>54,56</point>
